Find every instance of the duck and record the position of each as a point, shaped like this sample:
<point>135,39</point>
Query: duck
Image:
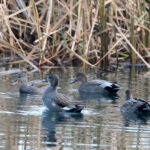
<point>31,87</point>
<point>58,102</point>
<point>95,86</point>
<point>134,105</point>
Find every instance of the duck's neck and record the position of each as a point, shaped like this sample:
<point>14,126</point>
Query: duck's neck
<point>53,88</point>
<point>127,95</point>
<point>84,79</point>
<point>54,85</point>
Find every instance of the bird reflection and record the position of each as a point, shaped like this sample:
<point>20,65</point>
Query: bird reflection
<point>86,96</point>
<point>49,122</point>
<point>136,118</point>
<point>21,101</point>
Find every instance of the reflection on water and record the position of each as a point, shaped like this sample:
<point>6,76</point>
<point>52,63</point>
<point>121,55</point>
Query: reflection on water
<point>25,124</point>
<point>102,97</point>
<point>137,118</point>
<point>51,119</point>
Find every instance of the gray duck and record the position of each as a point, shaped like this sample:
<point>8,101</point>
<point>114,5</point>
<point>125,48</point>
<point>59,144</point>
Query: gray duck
<point>57,102</point>
<point>32,87</point>
<point>95,86</point>
<point>134,105</point>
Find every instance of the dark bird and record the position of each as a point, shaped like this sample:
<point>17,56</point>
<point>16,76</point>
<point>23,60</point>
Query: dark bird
<point>32,87</point>
<point>55,101</point>
<point>135,105</point>
<point>95,86</point>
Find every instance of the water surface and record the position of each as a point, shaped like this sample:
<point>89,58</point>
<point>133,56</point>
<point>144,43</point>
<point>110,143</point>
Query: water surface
<point>25,124</point>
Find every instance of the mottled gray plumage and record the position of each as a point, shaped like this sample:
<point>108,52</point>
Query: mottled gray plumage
<point>97,86</point>
<point>32,87</point>
<point>134,104</point>
<point>55,101</point>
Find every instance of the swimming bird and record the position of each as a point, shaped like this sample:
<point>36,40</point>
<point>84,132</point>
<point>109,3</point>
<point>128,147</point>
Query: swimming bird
<point>95,86</point>
<point>32,87</point>
<point>134,105</point>
<point>57,102</point>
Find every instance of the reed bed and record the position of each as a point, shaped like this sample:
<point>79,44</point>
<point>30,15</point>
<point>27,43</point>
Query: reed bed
<point>45,33</point>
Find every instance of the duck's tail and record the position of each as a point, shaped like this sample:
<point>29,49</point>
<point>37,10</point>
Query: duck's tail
<point>113,88</point>
<point>76,109</point>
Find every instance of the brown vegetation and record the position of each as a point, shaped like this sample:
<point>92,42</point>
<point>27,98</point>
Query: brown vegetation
<point>61,33</point>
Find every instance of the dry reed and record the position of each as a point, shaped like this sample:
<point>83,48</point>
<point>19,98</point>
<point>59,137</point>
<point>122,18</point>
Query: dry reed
<point>75,32</point>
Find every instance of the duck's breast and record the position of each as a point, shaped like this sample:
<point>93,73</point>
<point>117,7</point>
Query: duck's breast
<point>48,98</point>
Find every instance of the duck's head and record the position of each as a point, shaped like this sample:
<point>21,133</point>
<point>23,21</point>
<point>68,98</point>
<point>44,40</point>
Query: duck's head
<point>53,80</point>
<point>19,78</point>
<point>79,77</point>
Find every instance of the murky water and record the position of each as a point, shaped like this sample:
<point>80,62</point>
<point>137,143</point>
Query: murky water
<point>25,124</point>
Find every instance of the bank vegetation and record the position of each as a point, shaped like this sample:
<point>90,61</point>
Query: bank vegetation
<point>47,33</point>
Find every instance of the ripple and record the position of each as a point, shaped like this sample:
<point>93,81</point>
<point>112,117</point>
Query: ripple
<point>33,111</point>
<point>6,112</point>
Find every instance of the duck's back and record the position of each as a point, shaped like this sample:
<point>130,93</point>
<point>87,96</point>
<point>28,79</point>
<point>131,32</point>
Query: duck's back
<point>38,84</point>
<point>90,86</point>
<point>135,105</point>
<point>28,89</point>
<point>98,86</point>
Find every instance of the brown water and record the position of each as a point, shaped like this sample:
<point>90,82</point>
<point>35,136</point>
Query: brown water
<point>24,123</point>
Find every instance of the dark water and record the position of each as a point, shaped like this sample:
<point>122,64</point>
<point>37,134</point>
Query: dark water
<point>25,124</point>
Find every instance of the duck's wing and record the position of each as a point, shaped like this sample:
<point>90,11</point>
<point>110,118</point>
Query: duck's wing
<point>137,104</point>
<point>62,100</point>
<point>142,104</point>
<point>98,83</point>
<point>139,101</point>
<point>65,103</point>
<point>102,83</point>
<point>38,83</point>
<point>109,86</point>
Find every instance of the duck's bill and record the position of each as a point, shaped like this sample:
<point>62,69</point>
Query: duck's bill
<point>15,82</point>
<point>73,81</point>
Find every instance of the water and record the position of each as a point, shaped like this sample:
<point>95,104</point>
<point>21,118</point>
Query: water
<point>25,124</point>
